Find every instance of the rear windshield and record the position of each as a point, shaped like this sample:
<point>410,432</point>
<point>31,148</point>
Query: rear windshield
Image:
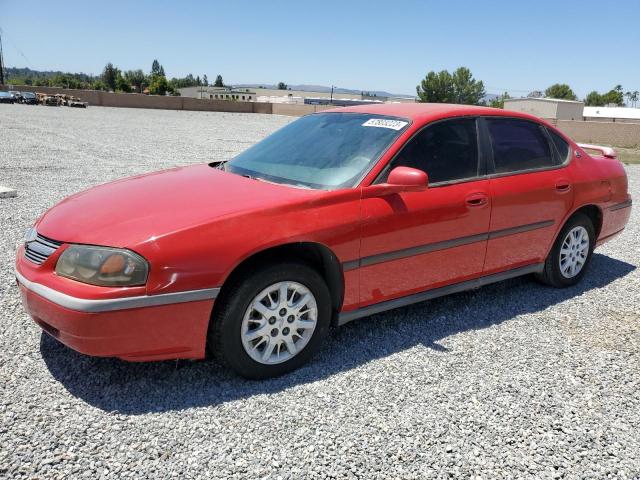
<point>323,151</point>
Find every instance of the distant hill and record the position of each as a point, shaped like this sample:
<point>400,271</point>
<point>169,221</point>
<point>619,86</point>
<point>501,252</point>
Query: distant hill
<point>324,89</point>
<point>13,72</point>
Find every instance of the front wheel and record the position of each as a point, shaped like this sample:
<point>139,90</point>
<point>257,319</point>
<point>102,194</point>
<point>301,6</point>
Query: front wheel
<point>571,253</point>
<point>271,320</point>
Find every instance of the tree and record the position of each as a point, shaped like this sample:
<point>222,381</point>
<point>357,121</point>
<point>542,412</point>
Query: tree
<point>498,102</point>
<point>136,78</point>
<point>99,85</point>
<point>121,84</point>
<point>560,91</point>
<point>535,94</point>
<point>156,68</point>
<point>67,80</point>
<point>614,96</point>
<point>205,80</point>
<point>282,86</point>
<point>594,99</point>
<point>436,88</point>
<point>468,90</point>
<point>110,75</point>
<point>444,87</point>
<point>218,82</point>
<point>158,85</point>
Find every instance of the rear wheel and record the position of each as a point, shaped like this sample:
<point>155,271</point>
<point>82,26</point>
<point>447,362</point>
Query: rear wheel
<point>271,321</point>
<point>571,253</point>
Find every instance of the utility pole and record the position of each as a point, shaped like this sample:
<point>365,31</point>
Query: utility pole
<point>331,101</point>
<point>1,63</point>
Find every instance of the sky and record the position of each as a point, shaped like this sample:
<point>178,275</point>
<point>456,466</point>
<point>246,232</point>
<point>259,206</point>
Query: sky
<point>515,46</point>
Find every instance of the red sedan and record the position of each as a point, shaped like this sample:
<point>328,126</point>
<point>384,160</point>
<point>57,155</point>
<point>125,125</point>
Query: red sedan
<point>334,217</point>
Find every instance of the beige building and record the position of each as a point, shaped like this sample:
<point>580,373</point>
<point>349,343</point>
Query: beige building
<point>219,93</point>
<point>547,107</point>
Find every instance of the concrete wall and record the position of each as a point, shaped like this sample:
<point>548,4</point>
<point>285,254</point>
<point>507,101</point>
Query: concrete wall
<point>612,119</point>
<point>602,133</point>
<point>296,110</point>
<point>134,100</point>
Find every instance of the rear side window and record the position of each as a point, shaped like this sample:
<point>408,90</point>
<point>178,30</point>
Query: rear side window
<point>561,145</point>
<point>518,145</point>
<point>446,151</point>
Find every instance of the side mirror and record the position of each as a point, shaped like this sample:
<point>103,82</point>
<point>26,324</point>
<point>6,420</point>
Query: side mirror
<point>401,179</point>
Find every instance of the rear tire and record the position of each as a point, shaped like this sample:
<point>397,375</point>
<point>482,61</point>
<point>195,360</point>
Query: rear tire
<point>254,316</point>
<point>571,253</point>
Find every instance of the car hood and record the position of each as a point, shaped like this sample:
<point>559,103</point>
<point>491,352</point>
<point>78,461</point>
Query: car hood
<point>134,210</point>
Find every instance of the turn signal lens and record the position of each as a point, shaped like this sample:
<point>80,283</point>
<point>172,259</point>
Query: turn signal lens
<point>113,264</point>
<point>104,266</point>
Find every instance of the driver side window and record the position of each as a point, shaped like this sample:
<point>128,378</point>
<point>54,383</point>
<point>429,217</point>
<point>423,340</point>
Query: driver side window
<point>446,151</point>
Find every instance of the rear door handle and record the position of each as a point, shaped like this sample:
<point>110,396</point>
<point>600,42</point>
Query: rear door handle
<point>478,199</point>
<point>563,186</point>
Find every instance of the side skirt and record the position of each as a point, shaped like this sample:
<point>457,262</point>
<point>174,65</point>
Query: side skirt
<point>346,317</point>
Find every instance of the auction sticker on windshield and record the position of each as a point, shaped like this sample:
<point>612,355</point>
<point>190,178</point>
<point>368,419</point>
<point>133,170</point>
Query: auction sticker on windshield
<point>385,123</point>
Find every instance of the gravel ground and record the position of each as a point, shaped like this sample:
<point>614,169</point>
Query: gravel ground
<point>514,380</point>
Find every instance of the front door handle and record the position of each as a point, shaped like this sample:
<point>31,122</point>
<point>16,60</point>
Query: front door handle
<point>478,199</point>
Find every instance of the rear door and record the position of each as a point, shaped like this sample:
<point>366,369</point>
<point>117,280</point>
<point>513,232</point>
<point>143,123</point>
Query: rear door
<point>415,241</point>
<point>531,192</point>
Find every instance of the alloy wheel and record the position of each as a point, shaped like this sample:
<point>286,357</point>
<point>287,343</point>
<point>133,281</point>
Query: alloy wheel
<point>279,322</point>
<point>574,252</point>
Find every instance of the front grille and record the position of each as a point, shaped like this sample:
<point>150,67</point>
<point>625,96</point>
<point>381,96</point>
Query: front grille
<point>40,249</point>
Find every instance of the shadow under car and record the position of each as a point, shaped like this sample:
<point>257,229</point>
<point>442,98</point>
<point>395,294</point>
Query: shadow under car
<point>135,388</point>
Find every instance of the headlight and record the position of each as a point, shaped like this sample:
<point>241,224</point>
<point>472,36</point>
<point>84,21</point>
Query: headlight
<point>107,267</point>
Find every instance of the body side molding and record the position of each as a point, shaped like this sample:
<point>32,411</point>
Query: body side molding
<point>432,247</point>
<point>620,206</point>
<point>112,304</point>
<point>346,317</point>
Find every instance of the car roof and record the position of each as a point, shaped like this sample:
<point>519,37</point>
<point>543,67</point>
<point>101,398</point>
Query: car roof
<point>423,112</point>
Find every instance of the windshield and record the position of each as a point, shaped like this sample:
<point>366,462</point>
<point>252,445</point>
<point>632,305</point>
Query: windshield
<point>28,94</point>
<point>324,150</point>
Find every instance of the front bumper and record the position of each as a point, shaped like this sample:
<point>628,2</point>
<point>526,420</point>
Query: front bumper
<point>137,328</point>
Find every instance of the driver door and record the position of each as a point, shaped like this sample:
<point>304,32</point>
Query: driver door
<point>415,241</point>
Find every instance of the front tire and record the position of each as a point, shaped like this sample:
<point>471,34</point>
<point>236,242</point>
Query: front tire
<point>571,253</point>
<point>271,320</point>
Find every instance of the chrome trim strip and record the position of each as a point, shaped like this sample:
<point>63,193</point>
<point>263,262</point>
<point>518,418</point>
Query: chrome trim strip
<point>432,247</point>
<point>346,317</point>
<point>47,241</point>
<point>620,206</point>
<point>113,304</point>
<point>41,248</point>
